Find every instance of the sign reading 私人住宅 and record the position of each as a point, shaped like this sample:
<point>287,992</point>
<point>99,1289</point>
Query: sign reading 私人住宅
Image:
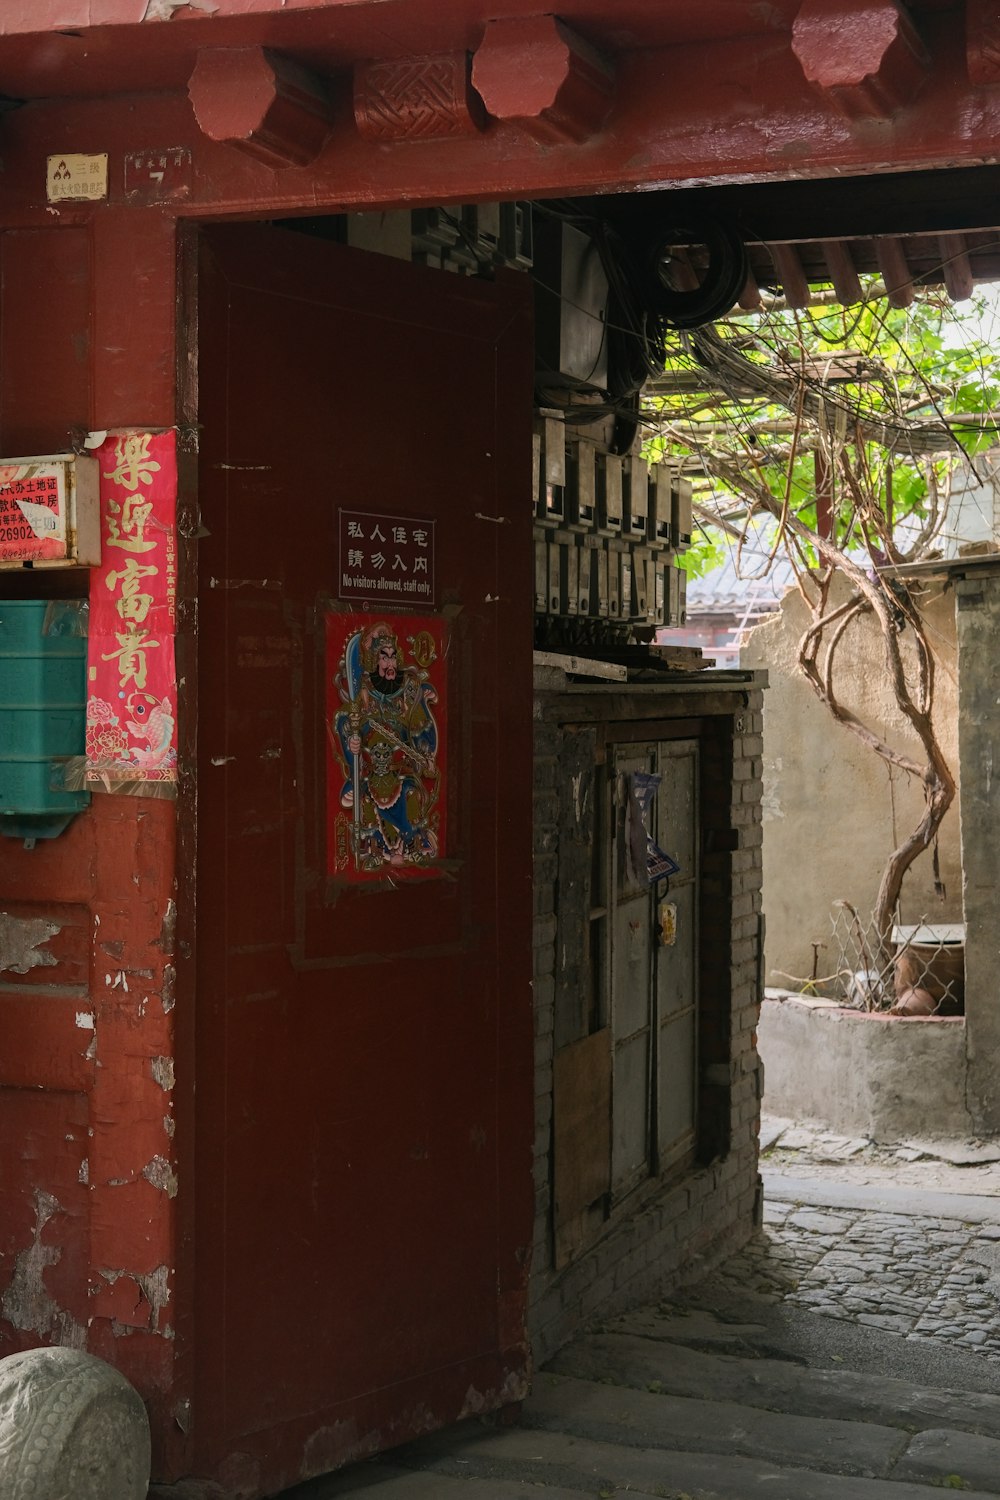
<point>386,558</point>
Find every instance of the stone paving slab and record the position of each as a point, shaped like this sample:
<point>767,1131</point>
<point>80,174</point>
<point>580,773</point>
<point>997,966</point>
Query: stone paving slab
<point>966,1208</point>
<point>772,1128</point>
<point>619,1414</point>
<point>395,1483</point>
<point>932,1457</point>
<point>544,1459</point>
<point>966,1169</point>
<point>390,1481</point>
<point>792,1331</point>
<point>652,1364</point>
<point>693,1327</point>
<point>957,1153</point>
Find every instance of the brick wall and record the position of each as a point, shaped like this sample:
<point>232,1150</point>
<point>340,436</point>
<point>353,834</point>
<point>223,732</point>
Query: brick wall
<point>671,1231</point>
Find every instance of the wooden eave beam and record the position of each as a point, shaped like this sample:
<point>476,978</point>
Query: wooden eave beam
<point>845,280</point>
<point>956,266</point>
<point>895,271</point>
<point>794,282</point>
<point>750,299</point>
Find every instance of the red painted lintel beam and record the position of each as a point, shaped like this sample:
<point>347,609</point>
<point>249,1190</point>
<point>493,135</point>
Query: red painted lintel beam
<point>726,113</point>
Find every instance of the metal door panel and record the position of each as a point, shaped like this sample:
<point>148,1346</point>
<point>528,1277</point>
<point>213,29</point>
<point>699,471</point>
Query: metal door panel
<point>677,963</point>
<point>633,966</point>
<point>631,988</point>
<point>677,805</point>
<point>630,1135</point>
<point>676,1095</point>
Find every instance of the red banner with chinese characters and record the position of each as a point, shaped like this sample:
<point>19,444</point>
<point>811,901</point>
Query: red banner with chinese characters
<point>132,690</point>
<point>386,723</point>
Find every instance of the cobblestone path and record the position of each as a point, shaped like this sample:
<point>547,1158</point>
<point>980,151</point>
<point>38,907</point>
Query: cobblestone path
<point>925,1278</point>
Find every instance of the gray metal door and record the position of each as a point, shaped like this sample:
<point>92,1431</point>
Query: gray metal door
<point>631,989</point>
<point>676,953</point>
<point>654,970</point>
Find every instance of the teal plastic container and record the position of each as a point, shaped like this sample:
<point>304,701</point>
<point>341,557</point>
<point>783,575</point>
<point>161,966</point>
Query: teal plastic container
<point>43,708</point>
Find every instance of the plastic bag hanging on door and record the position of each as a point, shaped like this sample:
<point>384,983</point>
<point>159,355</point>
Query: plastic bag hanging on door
<point>647,861</point>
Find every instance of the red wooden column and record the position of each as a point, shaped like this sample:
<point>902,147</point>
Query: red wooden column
<point>88,1173</point>
<point>134,1176</point>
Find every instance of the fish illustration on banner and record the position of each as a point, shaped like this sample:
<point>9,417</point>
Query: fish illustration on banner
<point>131,719</point>
<point>386,717</point>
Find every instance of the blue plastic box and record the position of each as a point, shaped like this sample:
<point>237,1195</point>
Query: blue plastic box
<point>43,706</point>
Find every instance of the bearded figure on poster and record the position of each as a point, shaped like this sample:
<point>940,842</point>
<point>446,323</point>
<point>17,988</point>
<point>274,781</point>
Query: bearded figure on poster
<point>386,739</point>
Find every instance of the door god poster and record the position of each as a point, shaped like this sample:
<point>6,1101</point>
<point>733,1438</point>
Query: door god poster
<point>386,718</point>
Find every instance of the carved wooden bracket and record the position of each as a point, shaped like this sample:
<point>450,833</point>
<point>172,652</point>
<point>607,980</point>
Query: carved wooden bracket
<point>416,98</point>
<point>260,103</point>
<point>866,54</point>
<point>539,74</point>
<point>982,33</point>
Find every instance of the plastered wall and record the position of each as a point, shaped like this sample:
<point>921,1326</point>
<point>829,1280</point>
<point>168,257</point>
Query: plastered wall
<point>832,810</point>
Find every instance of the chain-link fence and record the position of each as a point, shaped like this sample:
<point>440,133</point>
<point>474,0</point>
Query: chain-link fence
<point>919,972</point>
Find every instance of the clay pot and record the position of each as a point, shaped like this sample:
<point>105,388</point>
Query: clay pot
<point>937,969</point>
<point>914,1002</point>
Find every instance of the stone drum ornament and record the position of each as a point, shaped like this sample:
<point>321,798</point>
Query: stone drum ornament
<point>71,1428</point>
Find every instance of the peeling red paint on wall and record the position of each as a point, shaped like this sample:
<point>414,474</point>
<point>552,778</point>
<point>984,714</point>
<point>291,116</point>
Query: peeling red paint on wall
<point>23,943</point>
<point>27,1303</point>
<point>133,1301</point>
<point>44,942</point>
<point>43,1203</point>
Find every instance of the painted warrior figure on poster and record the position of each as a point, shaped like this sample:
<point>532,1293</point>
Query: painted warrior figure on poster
<point>386,741</point>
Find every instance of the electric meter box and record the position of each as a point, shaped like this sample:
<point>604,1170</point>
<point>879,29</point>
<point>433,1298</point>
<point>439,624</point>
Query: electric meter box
<point>50,512</point>
<point>43,703</point>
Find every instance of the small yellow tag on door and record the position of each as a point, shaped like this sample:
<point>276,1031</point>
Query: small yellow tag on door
<point>668,923</point>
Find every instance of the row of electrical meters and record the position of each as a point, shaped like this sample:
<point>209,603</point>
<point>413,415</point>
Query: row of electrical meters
<point>580,487</point>
<point>591,577</point>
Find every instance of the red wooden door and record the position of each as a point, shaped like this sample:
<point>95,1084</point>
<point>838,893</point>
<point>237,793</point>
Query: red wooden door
<point>363,1055</point>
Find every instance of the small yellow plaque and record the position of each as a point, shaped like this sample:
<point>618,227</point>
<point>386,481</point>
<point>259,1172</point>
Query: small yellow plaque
<point>78,177</point>
<point>668,923</point>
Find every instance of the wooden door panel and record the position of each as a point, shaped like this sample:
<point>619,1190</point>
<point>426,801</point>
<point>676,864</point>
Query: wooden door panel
<point>581,1141</point>
<point>364,1054</point>
<point>392,1184</point>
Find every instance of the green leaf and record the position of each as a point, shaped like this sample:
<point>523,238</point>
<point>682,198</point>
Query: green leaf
<point>703,556</point>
